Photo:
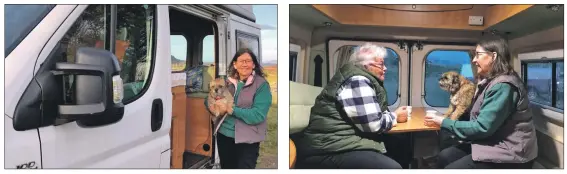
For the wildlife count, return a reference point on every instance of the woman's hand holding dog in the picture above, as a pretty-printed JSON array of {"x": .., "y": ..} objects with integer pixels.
[{"x": 223, "y": 108}]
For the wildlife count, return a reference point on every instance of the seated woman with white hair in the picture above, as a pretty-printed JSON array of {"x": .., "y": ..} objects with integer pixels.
[{"x": 350, "y": 110}]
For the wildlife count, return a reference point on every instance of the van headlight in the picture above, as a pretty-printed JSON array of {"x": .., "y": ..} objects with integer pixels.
[{"x": 117, "y": 89}]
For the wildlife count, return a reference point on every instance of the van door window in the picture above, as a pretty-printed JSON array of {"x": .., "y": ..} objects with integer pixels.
[
  {"x": 22, "y": 20},
  {"x": 134, "y": 49},
  {"x": 245, "y": 40},
  {"x": 89, "y": 30},
  {"x": 133, "y": 43}
]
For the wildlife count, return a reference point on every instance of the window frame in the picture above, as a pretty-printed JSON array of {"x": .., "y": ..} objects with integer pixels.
[
  {"x": 240, "y": 33},
  {"x": 553, "y": 61},
  {"x": 425, "y": 70}
]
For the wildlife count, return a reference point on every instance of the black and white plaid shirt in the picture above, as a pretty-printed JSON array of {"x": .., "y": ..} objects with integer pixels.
[{"x": 362, "y": 106}]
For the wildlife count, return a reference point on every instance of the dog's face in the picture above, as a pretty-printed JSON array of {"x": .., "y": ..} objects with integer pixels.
[
  {"x": 450, "y": 81},
  {"x": 217, "y": 87}
]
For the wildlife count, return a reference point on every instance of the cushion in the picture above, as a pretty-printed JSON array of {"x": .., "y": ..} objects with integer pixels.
[
  {"x": 208, "y": 76},
  {"x": 194, "y": 79},
  {"x": 302, "y": 98}
]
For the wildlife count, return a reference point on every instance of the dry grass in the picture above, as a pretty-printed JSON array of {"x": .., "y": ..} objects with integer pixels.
[
  {"x": 268, "y": 158},
  {"x": 272, "y": 77}
]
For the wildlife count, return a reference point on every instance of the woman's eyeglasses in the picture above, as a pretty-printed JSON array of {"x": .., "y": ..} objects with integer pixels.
[
  {"x": 476, "y": 53},
  {"x": 382, "y": 66},
  {"x": 244, "y": 61}
]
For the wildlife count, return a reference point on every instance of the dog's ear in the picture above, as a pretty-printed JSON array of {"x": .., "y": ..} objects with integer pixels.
[{"x": 456, "y": 79}]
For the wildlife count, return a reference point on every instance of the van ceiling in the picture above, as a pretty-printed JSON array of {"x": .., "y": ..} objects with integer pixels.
[
  {"x": 534, "y": 19},
  {"x": 525, "y": 19},
  {"x": 308, "y": 16}
]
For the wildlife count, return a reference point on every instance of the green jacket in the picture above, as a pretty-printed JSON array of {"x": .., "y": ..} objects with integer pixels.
[
  {"x": 329, "y": 129},
  {"x": 501, "y": 128}
]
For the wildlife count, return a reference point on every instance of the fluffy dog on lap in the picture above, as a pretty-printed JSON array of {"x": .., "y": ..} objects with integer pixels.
[{"x": 461, "y": 93}]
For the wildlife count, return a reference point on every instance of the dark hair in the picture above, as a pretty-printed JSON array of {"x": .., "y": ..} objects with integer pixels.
[
  {"x": 257, "y": 67},
  {"x": 502, "y": 64}
]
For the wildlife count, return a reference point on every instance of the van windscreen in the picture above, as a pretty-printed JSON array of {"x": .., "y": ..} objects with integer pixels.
[{"x": 19, "y": 20}]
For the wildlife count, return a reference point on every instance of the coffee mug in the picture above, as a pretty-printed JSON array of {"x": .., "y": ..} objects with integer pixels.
[
  {"x": 430, "y": 113},
  {"x": 409, "y": 111}
]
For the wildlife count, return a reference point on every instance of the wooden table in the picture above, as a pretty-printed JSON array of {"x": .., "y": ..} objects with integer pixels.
[
  {"x": 292, "y": 153},
  {"x": 415, "y": 124}
]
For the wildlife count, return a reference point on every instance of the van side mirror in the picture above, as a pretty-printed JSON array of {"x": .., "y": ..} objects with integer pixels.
[
  {"x": 96, "y": 92},
  {"x": 97, "y": 74}
]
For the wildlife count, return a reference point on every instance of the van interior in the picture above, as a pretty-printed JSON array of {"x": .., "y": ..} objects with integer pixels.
[
  {"x": 424, "y": 41},
  {"x": 192, "y": 38}
]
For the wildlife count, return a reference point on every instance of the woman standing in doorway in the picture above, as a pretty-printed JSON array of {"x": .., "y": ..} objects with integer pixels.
[{"x": 245, "y": 126}]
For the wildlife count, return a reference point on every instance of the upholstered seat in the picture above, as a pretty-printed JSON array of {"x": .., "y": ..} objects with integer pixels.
[{"x": 302, "y": 98}]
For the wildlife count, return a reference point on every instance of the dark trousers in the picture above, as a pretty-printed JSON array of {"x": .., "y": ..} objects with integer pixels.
[
  {"x": 237, "y": 156},
  {"x": 459, "y": 157},
  {"x": 397, "y": 148},
  {"x": 446, "y": 140},
  {"x": 349, "y": 160}
]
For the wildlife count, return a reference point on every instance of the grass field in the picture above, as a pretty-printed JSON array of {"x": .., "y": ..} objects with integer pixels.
[{"x": 268, "y": 158}]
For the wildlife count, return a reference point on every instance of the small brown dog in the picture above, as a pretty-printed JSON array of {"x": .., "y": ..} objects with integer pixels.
[
  {"x": 219, "y": 95},
  {"x": 461, "y": 93}
]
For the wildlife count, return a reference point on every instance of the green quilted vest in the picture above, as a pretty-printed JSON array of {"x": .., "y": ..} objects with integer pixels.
[{"x": 329, "y": 129}]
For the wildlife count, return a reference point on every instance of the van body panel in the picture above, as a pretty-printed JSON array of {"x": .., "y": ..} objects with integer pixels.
[
  {"x": 129, "y": 143},
  {"x": 22, "y": 148},
  {"x": 246, "y": 27},
  {"x": 19, "y": 64}
]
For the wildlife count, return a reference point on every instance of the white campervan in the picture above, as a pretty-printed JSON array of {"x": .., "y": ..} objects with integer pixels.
[{"x": 99, "y": 86}]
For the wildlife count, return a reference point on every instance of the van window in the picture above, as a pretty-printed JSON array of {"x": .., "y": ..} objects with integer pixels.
[
  {"x": 539, "y": 79},
  {"x": 292, "y": 66},
  {"x": 89, "y": 30},
  {"x": 208, "y": 50},
  {"x": 539, "y": 83},
  {"x": 134, "y": 38},
  {"x": 438, "y": 62},
  {"x": 134, "y": 43},
  {"x": 178, "y": 52},
  {"x": 391, "y": 61},
  {"x": 392, "y": 80},
  {"x": 559, "y": 88},
  {"x": 21, "y": 21},
  {"x": 245, "y": 40}
]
